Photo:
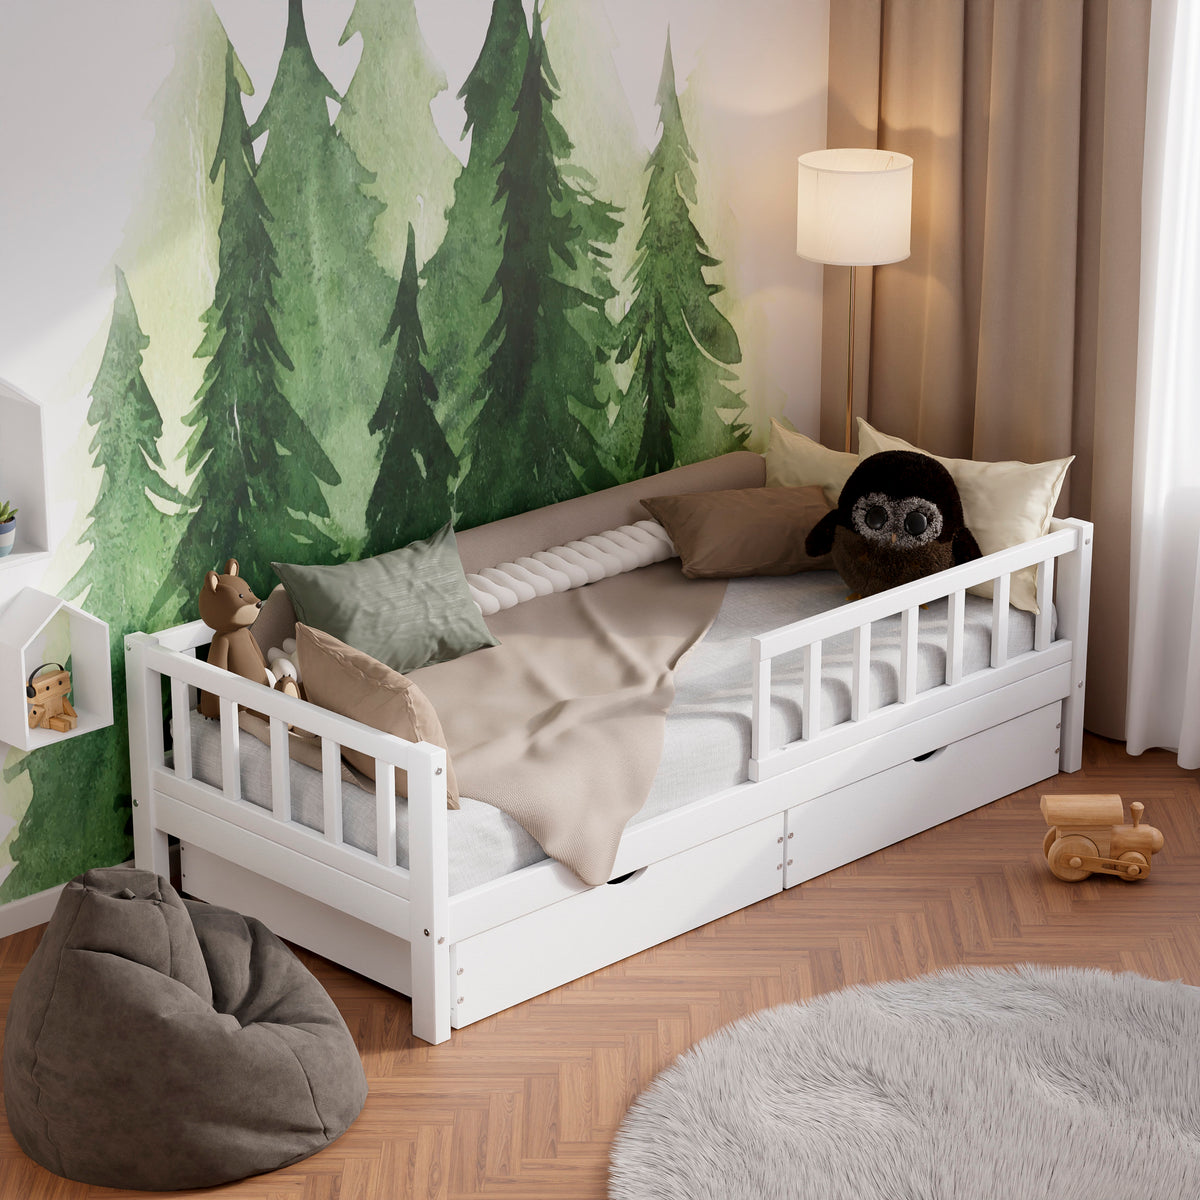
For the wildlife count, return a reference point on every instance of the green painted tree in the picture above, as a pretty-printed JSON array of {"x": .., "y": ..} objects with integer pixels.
[
  {"x": 528, "y": 447},
  {"x": 256, "y": 496},
  {"x": 386, "y": 119},
  {"x": 123, "y": 571},
  {"x": 79, "y": 816},
  {"x": 332, "y": 296},
  {"x": 455, "y": 315},
  {"x": 63, "y": 832},
  {"x": 411, "y": 497},
  {"x": 672, "y": 409}
]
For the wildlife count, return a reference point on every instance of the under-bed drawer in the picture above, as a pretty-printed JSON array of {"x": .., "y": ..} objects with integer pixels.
[
  {"x": 515, "y": 961},
  {"x": 843, "y": 825}
]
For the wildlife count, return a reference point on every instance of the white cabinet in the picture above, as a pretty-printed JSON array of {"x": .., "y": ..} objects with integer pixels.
[
  {"x": 35, "y": 627},
  {"x": 23, "y": 474}
]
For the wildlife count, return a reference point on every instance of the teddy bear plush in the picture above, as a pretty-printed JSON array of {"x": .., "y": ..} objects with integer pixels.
[{"x": 229, "y": 607}]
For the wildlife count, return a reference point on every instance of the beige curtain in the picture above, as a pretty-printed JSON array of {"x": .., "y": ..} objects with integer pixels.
[{"x": 1011, "y": 331}]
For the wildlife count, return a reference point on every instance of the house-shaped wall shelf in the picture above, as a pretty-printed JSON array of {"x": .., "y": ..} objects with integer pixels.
[
  {"x": 23, "y": 474},
  {"x": 29, "y": 637}
]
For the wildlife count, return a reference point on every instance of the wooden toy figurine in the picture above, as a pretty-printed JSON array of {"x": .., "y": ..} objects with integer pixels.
[
  {"x": 1089, "y": 833},
  {"x": 46, "y": 696}
]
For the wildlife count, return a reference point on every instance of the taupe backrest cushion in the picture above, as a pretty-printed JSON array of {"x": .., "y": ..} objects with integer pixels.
[{"x": 158, "y": 1043}]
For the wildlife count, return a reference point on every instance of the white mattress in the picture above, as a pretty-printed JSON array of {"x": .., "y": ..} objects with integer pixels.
[{"x": 707, "y": 741}]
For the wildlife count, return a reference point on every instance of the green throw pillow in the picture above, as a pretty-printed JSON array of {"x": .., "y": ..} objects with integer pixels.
[{"x": 408, "y": 608}]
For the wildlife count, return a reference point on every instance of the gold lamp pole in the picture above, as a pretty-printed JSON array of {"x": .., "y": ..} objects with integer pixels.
[{"x": 853, "y": 209}]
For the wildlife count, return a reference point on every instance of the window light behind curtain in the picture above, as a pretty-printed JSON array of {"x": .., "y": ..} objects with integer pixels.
[{"x": 1164, "y": 685}]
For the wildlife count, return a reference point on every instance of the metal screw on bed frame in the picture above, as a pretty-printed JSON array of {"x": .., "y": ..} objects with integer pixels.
[
  {"x": 779, "y": 841},
  {"x": 441, "y": 941},
  {"x": 1059, "y": 725},
  {"x": 792, "y": 860},
  {"x": 461, "y": 970},
  {"x": 791, "y": 835},
  {"x": 135, "y": 804},
  {"x": 779, "y": 866},
  {"x": 438, "y": 771},
  {"x": 460, "y": 999},
  {"x": 426, "y": 932}
]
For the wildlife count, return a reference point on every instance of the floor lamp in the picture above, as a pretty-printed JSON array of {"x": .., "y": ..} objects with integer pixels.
[{"x": 854, "y": 209}]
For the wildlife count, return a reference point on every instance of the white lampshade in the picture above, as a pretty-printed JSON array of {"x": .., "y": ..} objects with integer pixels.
[{"x": 854, "y": 207}]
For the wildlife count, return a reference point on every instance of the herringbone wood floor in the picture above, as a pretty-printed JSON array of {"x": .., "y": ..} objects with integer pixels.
[{"x": 524, "y": 1105}]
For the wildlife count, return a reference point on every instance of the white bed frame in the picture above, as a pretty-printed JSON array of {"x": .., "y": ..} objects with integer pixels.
[{"x": 807, "y": 807}]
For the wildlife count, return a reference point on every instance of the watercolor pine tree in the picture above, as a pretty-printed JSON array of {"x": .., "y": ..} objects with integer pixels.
[
  {"x": 332, "y": 296},
  {"x": 455, "y": 315},
  {"x": 679, "y": 341},
  {"x": 124, "y": 571},
  {"x": 528, "y": 447},
  {"x": 386, "y": 119},
  {"x": 411, "y": 498},
  {"x": 62, "y": 831},
  {"x": 581, "y": 42},
  {"x": 258, "y": 488}
]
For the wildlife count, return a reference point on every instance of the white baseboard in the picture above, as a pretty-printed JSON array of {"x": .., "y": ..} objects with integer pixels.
[
  {"x": 21, "y": 914},
  {"x": 18, "y": 915}
]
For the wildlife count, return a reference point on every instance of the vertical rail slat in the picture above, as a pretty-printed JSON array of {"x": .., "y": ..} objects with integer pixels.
[
  {"x": 1000, "y": 611},
  {"x": 1045, "y": 591},
  {"x": 908, "y": 654},
  {"x": 331, "y": 787},
  {"x": 1074, "y": 593},
  {"x": 760, "y": 724},
  {"x": 281, "y": 771},
  {"x": 860, "y": 685},
  {"x": 956, "y": 612},
  {"x": 385, "y": 813},
  {"x": 231, "y": 750},
  {"x": 146, "y": 752},
  {"x": 812, "y": 691},
  {"x": 429, "y": 899},
  {"x": 181, "y": 728}
]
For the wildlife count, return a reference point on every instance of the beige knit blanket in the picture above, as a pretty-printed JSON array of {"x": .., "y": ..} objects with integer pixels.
[{"x": 561, "y": 725}]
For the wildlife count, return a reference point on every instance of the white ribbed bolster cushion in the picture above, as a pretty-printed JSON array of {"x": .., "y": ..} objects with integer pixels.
[
  {"x": 575, "y": 574},
  {"x": 597, "y": 556}
]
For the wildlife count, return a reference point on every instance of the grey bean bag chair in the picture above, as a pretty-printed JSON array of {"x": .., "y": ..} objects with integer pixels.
[{"x": 158, "y": 1043}]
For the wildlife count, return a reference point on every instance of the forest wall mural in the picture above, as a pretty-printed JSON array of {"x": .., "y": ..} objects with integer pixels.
[{"x": 503, "y": 257}]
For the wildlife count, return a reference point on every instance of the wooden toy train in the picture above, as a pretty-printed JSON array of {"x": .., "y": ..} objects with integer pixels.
[{"x": 1088, "y": 833}]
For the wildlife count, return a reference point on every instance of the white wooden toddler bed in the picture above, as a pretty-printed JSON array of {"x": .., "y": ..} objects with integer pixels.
[{"x": 792, "y": 747}]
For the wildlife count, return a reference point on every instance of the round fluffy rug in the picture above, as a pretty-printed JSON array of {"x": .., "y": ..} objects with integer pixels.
[{"x": 1019, "y": 1083}]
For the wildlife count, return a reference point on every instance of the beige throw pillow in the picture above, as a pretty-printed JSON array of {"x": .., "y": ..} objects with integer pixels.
[
  {"x": 744, "y": 531},
  {"x": 354, "y": 684},
  {"x": 1004, "y": 503},
  {"x": 794, "y": 460}
]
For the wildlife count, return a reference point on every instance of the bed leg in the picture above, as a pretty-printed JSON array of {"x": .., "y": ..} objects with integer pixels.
[
  {"x": 1073, "y": 599},
  {"x": 145, "y": 747},
  {"x": 429, "y": 898}
]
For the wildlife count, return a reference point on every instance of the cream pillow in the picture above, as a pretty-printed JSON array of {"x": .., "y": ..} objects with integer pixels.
[
  {"x": 1004, "y": 503},
  {"x": 794, "y": 460}
]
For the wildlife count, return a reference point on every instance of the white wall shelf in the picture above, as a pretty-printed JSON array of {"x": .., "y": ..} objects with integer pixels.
[
  {"x": 23, "y": 474},
  {"x": 25, "y": 644}
]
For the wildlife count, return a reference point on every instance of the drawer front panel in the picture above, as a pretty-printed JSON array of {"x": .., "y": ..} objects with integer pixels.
[
  {"x": 843, "y": 825},
  {"x": 503, "y": 966}
]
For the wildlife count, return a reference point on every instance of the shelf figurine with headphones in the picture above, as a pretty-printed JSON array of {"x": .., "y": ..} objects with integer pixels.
[{"x": 46, "y": 695}]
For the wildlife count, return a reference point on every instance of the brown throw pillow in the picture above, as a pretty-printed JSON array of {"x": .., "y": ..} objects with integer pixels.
[
  {"x": 355, "y": 685},
  {"x": 747, "y": 531}
]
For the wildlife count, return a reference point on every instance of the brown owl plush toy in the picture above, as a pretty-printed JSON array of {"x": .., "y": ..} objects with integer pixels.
[{"x": 899, "y": 518}]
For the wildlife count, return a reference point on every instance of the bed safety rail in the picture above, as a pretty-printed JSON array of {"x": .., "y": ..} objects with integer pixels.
[
  {"x": 1063, "y": 562},
  {"x": 169, "y": 800}
]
